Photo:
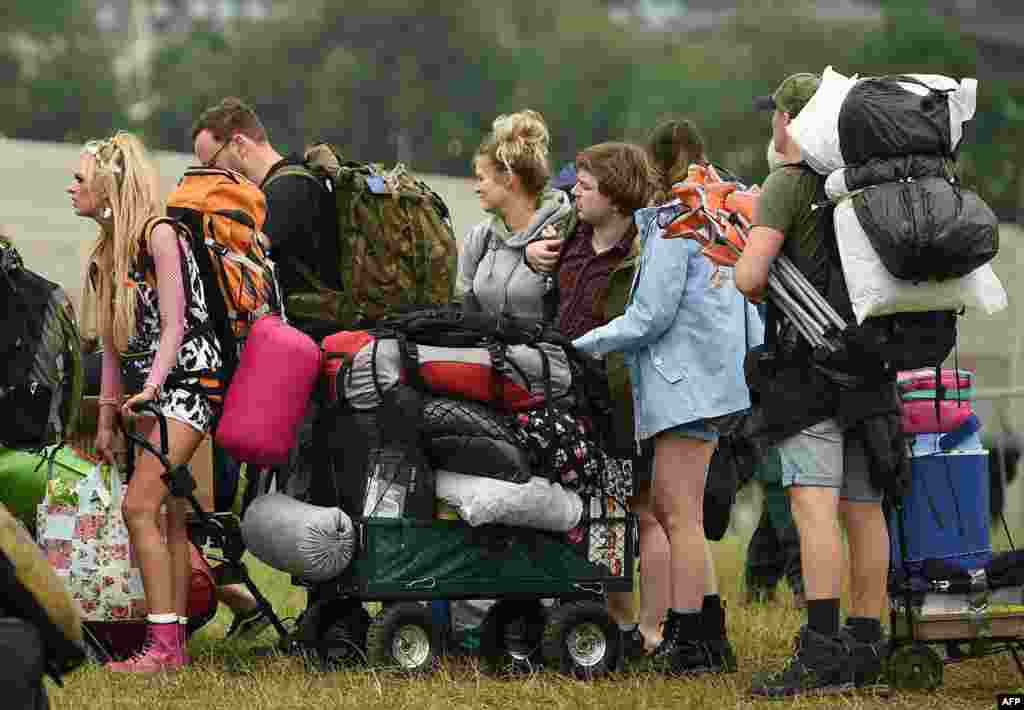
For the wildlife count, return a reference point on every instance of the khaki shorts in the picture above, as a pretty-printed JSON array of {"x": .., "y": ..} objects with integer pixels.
[{"x": 822, "y": 456}]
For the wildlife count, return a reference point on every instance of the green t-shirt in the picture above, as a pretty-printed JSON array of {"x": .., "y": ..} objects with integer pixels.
[{"x": 786, "y": 205}]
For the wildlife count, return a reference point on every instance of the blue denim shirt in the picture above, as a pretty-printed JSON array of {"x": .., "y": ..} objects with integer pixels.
[{"x": 684, "y": 334}]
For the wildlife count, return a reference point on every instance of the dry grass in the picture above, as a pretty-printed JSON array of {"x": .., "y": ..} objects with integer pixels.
[{"x": 227, "y": 676}]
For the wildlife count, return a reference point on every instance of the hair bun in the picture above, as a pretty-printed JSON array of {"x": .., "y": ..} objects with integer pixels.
[
  {"x": 526, "y": 125},
  {"x": 521, "y": 135}
]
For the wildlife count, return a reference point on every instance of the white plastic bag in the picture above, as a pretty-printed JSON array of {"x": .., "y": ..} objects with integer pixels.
[
  {"x": 816, "y": 127},
  {"x": 876, "y": 292},
  {"x": 537, "y": 504}
]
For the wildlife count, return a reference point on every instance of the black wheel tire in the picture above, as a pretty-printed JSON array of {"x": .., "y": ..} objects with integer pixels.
[
  {"x": 915, "y": 667},
  {"x": 341, "y": 640},
  {"x": 403, "y": 637},
  {"x": 511, "y": 637},
  {"x": 581, "y": 640}
]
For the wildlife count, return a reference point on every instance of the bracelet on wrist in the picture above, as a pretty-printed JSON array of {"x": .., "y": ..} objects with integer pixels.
[{"x": 109, "y": 402}]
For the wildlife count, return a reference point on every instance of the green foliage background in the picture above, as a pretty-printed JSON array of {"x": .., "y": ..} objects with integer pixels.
[{"x": 421, "y": 81}]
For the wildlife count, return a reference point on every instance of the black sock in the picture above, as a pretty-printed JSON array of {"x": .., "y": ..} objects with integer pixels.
[
  {"x": 712, "y": 613},
  {"x": 864, "y": 629},
  {"x": 823, "y": 616}
]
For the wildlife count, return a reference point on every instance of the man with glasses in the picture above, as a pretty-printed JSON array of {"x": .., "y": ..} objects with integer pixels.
[
  {"x": 302, "y": 228},
  {"x": 301, "y": 218}
]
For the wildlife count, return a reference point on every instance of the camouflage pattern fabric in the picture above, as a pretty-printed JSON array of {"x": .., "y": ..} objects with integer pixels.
[{"x": 396, "y": 245}]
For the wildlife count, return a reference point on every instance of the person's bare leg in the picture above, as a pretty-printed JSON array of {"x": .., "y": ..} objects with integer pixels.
[
  {"x": 655, "y": 577},
  {"x": 868, "y": 539},
  {"x": 815, "y": 511},
  {"x": 654, "y": 582},
  {"x": 680, "y": 467},
  {"x": 165, "y": 567}
]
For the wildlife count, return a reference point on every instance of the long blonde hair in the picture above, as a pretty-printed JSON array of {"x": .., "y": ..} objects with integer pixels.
[{"x": 123, "y": 174}]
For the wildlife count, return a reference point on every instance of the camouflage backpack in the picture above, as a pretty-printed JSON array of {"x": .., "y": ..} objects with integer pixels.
[
  {"x": 41, "y": 375},
  {"x": 396, "y": 246}
]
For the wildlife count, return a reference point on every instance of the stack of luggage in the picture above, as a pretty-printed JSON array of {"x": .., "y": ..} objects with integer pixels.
[
  {"x": 944, "y": 556},
  {"x": 911, "y": 238},
  {"x": 440, "y": 414}
]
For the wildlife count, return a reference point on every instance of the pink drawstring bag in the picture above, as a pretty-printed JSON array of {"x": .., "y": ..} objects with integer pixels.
[{"x": 269, "y": 394}]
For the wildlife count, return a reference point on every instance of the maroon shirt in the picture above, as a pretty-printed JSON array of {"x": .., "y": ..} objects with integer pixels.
[{"x": 583, "y": 278}]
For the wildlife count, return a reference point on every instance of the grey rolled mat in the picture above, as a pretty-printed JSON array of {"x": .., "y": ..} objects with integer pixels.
[{"x": 307, "y": 541}]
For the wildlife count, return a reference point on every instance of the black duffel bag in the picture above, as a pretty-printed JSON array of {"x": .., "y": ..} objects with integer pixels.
[{"x": 880, "y": 118}]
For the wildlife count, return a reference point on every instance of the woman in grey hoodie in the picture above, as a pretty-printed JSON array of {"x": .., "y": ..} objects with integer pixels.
[{"x": 512, "y": 175}]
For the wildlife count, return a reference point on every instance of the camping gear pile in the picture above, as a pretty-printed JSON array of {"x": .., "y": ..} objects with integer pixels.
[
  {"x": 946, "y": 585},
  {"x": 439, "y": 410},
  {"x": 500, "y": 407},
  {"x": 913, "y": 244},
  {"x": 911, "y": 239}
]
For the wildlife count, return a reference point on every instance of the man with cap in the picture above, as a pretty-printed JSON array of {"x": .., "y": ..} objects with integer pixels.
[{"x": 824, "y": 467}]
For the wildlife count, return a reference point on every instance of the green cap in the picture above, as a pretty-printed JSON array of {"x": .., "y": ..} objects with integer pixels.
[{"x": 792, "y": 95}]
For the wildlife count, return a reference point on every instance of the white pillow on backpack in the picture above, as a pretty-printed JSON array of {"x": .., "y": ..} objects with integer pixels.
[
  {"x": 816, "y": 128},
  {"x": 875, "y": 292}
]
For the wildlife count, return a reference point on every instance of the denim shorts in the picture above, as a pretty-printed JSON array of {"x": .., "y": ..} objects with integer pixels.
[
  {"x": 822, "y": 456},
  {"x": 697, "y": 429}
]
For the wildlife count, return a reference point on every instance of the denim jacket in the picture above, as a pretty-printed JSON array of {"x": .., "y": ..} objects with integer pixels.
[{"x": 684, "y": 334}]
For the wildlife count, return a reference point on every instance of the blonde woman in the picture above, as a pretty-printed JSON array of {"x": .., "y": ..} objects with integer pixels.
[
  {"x": 512, "y": 174},
  {"x": 150, "y": 309}
]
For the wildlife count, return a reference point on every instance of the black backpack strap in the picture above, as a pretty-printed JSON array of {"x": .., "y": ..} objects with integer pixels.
[
  {"x": 496, "y": 350},
  {"x": 409, "y": 357}
]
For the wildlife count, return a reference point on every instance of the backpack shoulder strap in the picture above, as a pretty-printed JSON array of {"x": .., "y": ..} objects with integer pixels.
[
  {"x": 74, "y": 370},
  {"x": 296, "y": 170}
]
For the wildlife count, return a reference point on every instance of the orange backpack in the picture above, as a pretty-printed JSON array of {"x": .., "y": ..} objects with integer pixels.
[
  {"x": 715, "y": 212},
  {"x": 224, "y": 212}
]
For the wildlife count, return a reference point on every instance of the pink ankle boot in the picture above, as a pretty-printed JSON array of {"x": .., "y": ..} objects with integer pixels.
[{"x": 162, "y": 651}]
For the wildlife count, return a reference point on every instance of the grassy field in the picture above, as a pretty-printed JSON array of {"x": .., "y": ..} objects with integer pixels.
[{"x": 225, "y": 675}]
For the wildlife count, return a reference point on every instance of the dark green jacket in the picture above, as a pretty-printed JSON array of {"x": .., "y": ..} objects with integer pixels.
[{"x": 619, "y": 285}]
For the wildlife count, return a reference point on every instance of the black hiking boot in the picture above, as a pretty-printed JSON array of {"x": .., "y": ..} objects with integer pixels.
[
  {"x": 687, "y": 657},
  {"x": 658, "y": 661},
  {"x": 867, "y": 662},
  {"x": 723, "y": 658},
  {"x": 695, "y": 657},
  {"x": 631, "y": 648},
  {"x": 819, "y": 666}
]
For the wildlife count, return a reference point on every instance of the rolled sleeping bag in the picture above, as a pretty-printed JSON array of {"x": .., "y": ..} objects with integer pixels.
[
  {"x": 266, "y": 402},
  {"x": 306, "y": 541},
  {"x": 537, "y": 504}
]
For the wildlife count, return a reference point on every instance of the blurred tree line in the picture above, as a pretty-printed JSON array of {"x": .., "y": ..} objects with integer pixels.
[{"x": 420, "y": 81}]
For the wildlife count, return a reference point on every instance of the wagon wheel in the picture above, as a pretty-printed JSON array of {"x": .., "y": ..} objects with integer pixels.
[
  {"x": 915, "y": 667},
  {"x": 511, "y": 637},
  {"x": 581, "y": 640},
  {"x": 403, "y": 637}
]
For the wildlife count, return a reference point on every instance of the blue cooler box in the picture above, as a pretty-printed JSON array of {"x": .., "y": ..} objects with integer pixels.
[{"x": 946, "y": 512}]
